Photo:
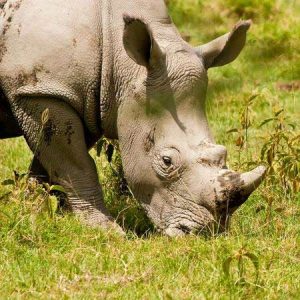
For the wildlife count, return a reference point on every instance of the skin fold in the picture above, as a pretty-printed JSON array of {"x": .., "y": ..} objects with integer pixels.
[{"x": 119, "y": 69}]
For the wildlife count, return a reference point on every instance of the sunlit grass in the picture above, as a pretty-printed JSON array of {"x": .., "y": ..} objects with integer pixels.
[{"x": 56, "y": 257}]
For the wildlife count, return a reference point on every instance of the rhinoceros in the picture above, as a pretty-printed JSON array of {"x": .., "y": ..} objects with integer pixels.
[{"x": 119, "y": 69}]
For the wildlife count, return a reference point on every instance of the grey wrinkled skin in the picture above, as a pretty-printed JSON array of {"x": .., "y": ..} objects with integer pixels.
[{"x": 119, "y": 69}]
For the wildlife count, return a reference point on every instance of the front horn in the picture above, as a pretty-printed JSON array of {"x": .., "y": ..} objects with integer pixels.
[
  {"x": 236, "y": 188},
  {"x": 251, "y": 180}
]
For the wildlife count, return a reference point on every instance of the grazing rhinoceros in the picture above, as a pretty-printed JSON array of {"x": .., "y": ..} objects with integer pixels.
[{"x": 119, "y": 69}]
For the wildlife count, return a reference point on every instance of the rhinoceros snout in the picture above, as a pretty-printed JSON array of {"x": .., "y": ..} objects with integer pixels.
[{"x": 212, "y": 211}]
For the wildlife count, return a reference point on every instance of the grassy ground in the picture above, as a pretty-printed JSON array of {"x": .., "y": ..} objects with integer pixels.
[{"x": 52, "y": 256}]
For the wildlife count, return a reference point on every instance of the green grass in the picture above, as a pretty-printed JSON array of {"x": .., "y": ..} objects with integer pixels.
[{"x": 44, "y": 257}]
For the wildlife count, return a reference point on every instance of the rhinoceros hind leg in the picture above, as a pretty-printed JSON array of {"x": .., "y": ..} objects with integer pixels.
[{"x": 58, "y": 141}]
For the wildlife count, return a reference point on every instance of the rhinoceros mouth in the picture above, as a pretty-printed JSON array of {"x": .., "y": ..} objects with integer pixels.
[
  {"x": 192, "y": 224},
  {"x": 191, "y": 229}
]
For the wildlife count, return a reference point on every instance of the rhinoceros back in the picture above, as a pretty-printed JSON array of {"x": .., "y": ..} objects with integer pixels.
[
  {"x": 55, "y": 48},
  {"x": 52, "y": 48}
]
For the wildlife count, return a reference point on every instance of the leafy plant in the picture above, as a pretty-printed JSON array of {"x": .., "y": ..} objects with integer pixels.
[
  {"x": 245, "y": 123},
  {"x": 281, "y": 151},
  {"x": 251, "y": 8},
  {"x": 241, "y": 257},
  {"x": 24, "y": 188}
]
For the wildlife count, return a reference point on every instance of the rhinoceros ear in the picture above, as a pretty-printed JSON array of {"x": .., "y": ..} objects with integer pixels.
[
  {"x": 226, "y": 48},
  {"x": 139, "y": 42}
]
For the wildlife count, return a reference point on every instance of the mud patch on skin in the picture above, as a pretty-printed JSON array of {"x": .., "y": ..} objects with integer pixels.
[
  {"x": 149, "y": 140},
  {"x": 230, "y": 179},
  {"x": 205, "y": 162},
  {"x": 69, "y": 131},
  {"x": 3, "y": 48},
  {"x": 2, "y": 3},
  {"x": 30, "y": 78},
  {"x": 49, "y": 131},
  {"x": 7, "y": 14},
  {"x": 231, "y": 195},
  {"x": 19, "y": 29},
  {"x": 230, "y": 200}
]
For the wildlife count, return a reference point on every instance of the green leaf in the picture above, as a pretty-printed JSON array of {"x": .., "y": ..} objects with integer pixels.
[
  {"x": 270, "y": 155},
  {"x": 39, "y": 191},
  {"x": 266, "y": 121},
  {"x": 5, "y": 195},
  {"x": 45, "y": 116},
  {"x": 250, "y": 100},
  {"x": 47, "y": 186},
  {"x": 52, "y": 205},
  {"x": 16, "y": 175},
  {"x": 241, "y": 267},
  {"x": 23, "y": 175},
  {"x": 226, "y": 265},
  {"x": 255, "y": 261},
  {"x": 232, "y": 130},
  {"x": 277, "y": 113},
  {"x": 57, "y": 188},
  {"x": 264, "y": 150},
  {"x": 8, "y": 182}
]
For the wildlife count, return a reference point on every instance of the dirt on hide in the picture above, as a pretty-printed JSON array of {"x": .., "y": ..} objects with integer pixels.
[
  {"x": 7, "y": 11},
  {"x": 32, "y": 77},
  {"x": 2, "y": 3}
]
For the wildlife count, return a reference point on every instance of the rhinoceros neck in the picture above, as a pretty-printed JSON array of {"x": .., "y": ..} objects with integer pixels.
[{"x": 119, "y": 72}]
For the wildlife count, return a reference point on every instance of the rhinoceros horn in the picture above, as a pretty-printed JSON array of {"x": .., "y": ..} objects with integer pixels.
[
  {"x": 251, "y": 180},
  {"x": 236, "y": 188}
]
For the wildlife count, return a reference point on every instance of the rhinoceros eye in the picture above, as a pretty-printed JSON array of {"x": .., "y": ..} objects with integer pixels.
[
  {"x": 166, "y": 163},
  {"x": 167, "y": 160}
]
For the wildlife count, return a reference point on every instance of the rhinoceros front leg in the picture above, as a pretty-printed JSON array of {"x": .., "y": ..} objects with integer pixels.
[
  {"x": 58, "y": 143},
  {"x": 37, "y": 171}
]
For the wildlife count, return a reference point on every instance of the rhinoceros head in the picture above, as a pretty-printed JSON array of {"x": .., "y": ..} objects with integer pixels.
[{"x": 171, "y": 162}]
